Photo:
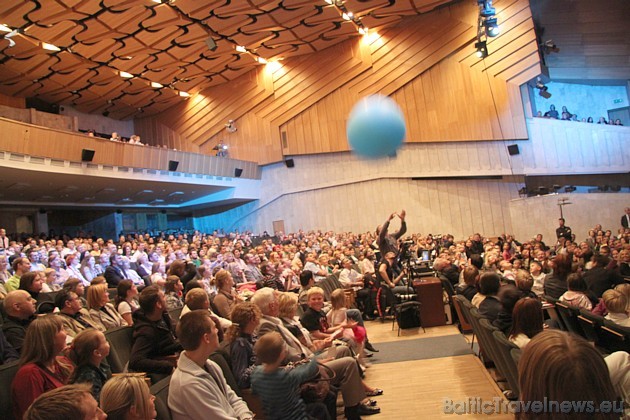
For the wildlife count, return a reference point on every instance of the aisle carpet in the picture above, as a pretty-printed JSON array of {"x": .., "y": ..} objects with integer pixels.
[{"x": 421, "y": 348}]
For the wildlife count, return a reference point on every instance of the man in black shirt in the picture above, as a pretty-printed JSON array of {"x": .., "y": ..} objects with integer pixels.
[{"x": 563, "y": 231}]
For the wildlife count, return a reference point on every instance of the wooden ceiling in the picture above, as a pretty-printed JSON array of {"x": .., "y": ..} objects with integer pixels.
[
  {"x": 593, "y": 37},
  {"x": 167, "y": 43}
]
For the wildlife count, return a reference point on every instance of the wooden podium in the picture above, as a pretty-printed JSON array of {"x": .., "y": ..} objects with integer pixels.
[{"x": 429, "y": 291}]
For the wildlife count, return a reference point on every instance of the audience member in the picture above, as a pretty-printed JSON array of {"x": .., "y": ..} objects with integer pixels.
[
  {"x": 576, "y": 295},
  {"x": 20, "y": 309},
  {"x": 127, "y": 397},
  {"x": 74, "y": 317},
  {"x": 198, "y": 389},
  {"x": 20, "y": 266},
  {"x": 88, "y": 352},
  {"x": 557, "y": 366},
  {"x": 279, "y": 389},
  {"x": 598, "y": 278},
  {"x": 126, "y": 300},
  {"x": 154, "y": 344},
  {"x": 616, "y": 305},
  {"x": 7, "y": 352},
  {"x": 556, "y": 282},
  {"x": 489, "y": 284},
  {"x": 40, "y": 368},
  {"x": 173, "y": 292},
  {"x": 527, "y": 321},
  {"x": 226, "y": 298},
  {"x": 69, "y": 402},
  {"x": 101, "y": 311}
]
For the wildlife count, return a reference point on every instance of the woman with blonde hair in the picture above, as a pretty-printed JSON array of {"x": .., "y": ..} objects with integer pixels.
[
  {"x": 226, "y": 298},
  {"x": 40, "y": 367},
  {"x": 557, "y": 366},
  {"x": 127, "y": 397},
  {"x": 245, "y": 318},
  {"x": 101, "y": 311}
]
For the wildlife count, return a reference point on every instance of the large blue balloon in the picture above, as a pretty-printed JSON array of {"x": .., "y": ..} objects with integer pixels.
[{"x": 376, "y": 127}]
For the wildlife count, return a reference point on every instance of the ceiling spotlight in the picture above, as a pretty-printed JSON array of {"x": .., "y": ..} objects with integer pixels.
[
  {"x": 542, "y": 89},
  {"x": 487, "y": 10},
  {"x": 347, "y": 15},
  {"x": 230, "y": 127},
  {"x": 184, "y": 94},
  {"x": 549, "y": 47},
  {"x": 363, "y": 30},
  {"x": 125, "y": 75},
  {"x": 482, "y": 49},
  {"x": 156, "y": 85},
  {"x": 543, "y": 190},
  {"x": 261, "y": 60},
  {"x": 522, "y": 191},
  {"x": 5, "y": 28},
  {"x": 492, "y": 27},
  {"x": 569, "y": 188},
  {"x": 556, "y": 187},
  {"x": 240, "y": 48}
]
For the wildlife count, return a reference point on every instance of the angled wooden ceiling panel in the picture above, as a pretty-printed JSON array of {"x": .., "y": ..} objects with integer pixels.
[{"x": 166, "y": 43}]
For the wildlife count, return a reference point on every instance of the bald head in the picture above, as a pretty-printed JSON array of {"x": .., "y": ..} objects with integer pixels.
[{"x": 19, "y": 304}]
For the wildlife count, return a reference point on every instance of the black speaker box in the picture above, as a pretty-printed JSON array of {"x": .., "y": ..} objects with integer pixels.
[
  {"x": 513, "y": 149},
  {"x": 289, "y": 162},
  {"x": 87, "y": 155},
  {"x": 238, "y": 172},
  {"x": 172, "y": 165}
]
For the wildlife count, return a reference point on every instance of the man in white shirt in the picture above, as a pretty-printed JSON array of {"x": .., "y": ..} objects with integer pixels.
[{"x": 198, "y": 389}]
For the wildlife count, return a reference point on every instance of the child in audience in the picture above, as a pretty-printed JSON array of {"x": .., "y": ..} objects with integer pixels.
[
  {"x": 279, "y": 389},
  {"x": 616, "y": 304},
  {"x": 126, "y": 303},
  {"x": 576, "y": 295},
  {"x": 535, "y": 269},
  {"x": 527, "y": 321},
  {"x": 337, "y": 316},
  {"x": 128, "y": 397},
  {"x": 88, "y": 350}
]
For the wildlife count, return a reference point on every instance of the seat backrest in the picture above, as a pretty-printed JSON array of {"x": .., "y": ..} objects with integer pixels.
[
  {"x": 120, "y": 340},
  {"x": 614, "y": 337},
  {"x": 511, "y": 368},
  {"x": 569, "y": 316},
  {"x": 463, "y": 319},
  {"x": 160, "y": 390},
  {"x": 218, "y": 358},
  {"x": 7, "y": 373},
  {"x": 329, "y": 285},
  {"x": 486, "y": 350},
  {"x": 553, "y": 313}
]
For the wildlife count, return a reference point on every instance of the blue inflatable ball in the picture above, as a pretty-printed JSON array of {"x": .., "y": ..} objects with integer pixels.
[{"x": 376, "y": 127}]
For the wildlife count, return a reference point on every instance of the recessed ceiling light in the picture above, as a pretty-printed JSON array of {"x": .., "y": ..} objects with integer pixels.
[
  {"x": 125, "y": 75},
  {"x": 184, "y": 94},
  {"x": 50, "y": 47},
  {"x": 5, "y": 28},
  {"x": 156, "y": 85},
  {"x": 241, "y": 48}
]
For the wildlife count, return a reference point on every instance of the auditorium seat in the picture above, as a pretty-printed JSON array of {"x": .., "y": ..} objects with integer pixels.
[
  {"x": 614, "y": 337},
  {"x": 160, "y": 390},
  {"x": 464, "y": 324},
  {"x": 569, "y": 315},
  {"x": 505, "y": 347},
  {"x": 590, "y": 325},
  {"x": 7, "y": 373},
  {"x": 120, "y": 340},
  {"x": 329, "y": 285},
  {"x": 174, "y": 314}
]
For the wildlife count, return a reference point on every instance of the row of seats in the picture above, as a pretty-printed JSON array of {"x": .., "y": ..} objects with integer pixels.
[
  {"x": 494, "y": 348},
  {"x": 607, "y": 336}
]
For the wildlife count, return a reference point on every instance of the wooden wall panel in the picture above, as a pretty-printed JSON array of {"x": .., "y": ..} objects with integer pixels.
[
  {"x": 12, "y": 101},
  {"x": 28, "y": 139},
  {"x": 427, "y": 64}
]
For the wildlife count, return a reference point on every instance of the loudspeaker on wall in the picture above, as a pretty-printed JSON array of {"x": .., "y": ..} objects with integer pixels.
[
  {"x": 238, "y": 172},
  {"x": 513, "y": 149},
  {"x": 87, "y": 155},
  {"x": 172, "y": 165},
  {"x": 289, "y": 162}
]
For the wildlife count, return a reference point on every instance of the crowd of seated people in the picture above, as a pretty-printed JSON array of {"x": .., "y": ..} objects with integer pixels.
[
  {"x": 254, "y": 282},
  {"x": 568, "y": 116}
]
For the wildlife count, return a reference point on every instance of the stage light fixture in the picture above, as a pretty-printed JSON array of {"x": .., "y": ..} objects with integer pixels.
[
  {"x": 482, "y": 49},
  {"x": 492, "y": 27},
  {"x": 543, "y": 190},
  {"x": 522, "y": 191},
  {"x": 542, "y": 89},
  {"x": 549, "y": 47},
  {"x": 569, "y": 188}
]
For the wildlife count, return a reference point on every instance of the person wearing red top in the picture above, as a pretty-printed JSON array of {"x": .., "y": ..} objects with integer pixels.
[{"x": 41, "y": 369}]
